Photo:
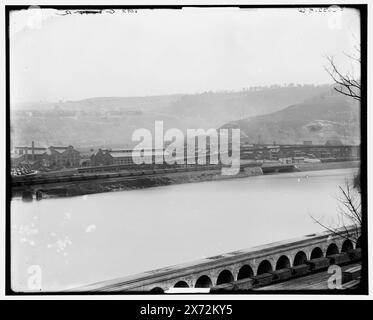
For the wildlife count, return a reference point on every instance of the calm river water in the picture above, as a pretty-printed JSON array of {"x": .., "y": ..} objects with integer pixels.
[{"x": 80, "y": 240}]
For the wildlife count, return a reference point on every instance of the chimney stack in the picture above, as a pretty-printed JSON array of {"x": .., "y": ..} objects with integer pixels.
[{"x": 33, "y": 151}]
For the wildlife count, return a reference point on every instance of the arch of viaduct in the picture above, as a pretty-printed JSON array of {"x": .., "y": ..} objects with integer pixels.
[{"x": 235, "y": 265}]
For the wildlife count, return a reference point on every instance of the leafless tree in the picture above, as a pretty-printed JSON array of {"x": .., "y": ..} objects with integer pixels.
[
  {"x": 346, "y": 84},
  {"x": 350, "y": 213}
]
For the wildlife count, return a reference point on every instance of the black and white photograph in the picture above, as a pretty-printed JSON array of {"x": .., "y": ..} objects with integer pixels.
[{"x": 178, "y": 149}]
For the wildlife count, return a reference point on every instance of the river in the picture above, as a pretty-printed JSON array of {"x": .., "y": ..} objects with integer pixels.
[{"x": 85, "y": 239}]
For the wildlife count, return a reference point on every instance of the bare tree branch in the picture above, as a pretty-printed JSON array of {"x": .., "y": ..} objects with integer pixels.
[
  {"x": 347, "y": 85},
  {"x": 350, "y": 201}
]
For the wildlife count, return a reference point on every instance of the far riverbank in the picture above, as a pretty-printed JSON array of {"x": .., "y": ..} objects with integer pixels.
[
  {"x": 142, "y": 181},
  {"x": 327, "y": 165}
]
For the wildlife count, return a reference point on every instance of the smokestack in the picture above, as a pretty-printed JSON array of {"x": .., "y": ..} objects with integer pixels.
[{"x": 33, "y": 151}]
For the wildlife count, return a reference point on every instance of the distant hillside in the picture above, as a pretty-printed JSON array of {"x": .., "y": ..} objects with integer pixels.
[
  {"x": 110, "y": 121},
  {"x": 327, "y": 116},
  {"x": 211, "y": 110},
  {"x": 103, "y": 103}
]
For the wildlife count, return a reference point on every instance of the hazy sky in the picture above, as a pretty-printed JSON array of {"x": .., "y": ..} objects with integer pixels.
[{"x": 172, "y": 51}]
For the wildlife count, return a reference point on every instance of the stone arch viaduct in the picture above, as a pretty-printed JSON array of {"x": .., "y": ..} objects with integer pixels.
[{"x": 235, "y": 265}]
